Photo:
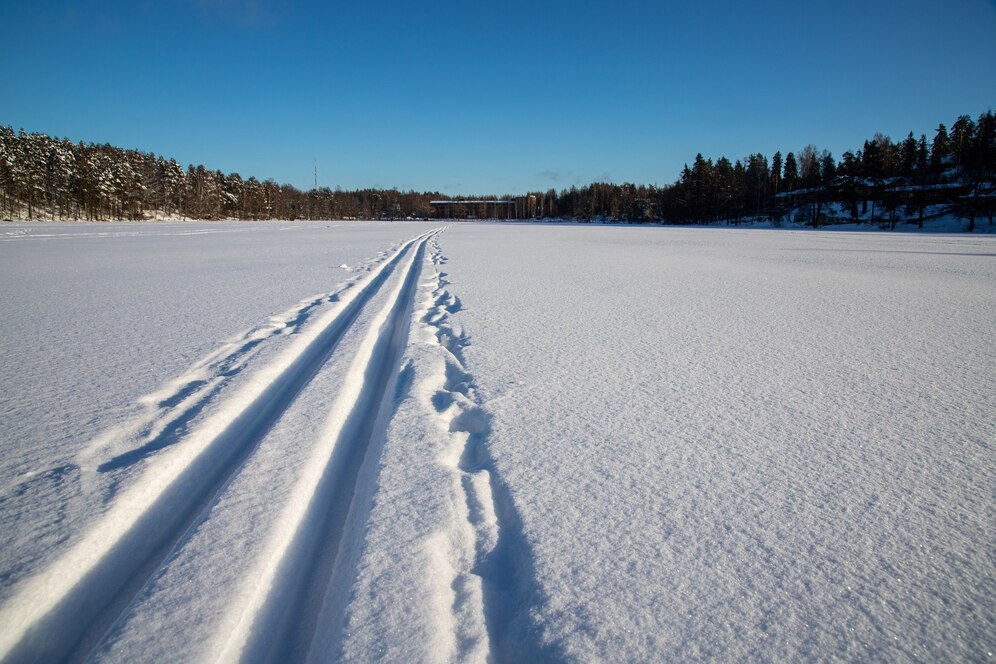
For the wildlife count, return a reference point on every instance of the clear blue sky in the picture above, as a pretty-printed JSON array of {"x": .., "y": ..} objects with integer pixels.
[{"x": 474, "y": 97}]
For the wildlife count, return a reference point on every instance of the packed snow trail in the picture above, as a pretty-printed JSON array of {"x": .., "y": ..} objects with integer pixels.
[{"x": 61, "y": 612}]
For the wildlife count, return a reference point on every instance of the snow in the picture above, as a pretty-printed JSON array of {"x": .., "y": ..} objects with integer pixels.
[
  {"x": 937, "y": 219},
  {"x": 97, "y": 316},
  {"x": 349, "y": 441}
]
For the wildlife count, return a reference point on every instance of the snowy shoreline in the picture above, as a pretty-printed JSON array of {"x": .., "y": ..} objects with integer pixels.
[{"x": 948, "y": 224}]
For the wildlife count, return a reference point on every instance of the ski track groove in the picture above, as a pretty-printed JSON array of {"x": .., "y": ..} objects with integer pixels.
[
  {"x": 60, "y": 613},
  {"x": 320, "y": 530},
  {"x": 166, "y": 412}
]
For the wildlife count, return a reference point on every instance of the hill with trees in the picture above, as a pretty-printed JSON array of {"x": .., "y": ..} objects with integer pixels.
[{"x": 884, "y": 182}]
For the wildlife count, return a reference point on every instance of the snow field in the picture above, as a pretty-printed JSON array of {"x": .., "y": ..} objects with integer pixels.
[
  {"x": 741, "y": 446},
  {"x": 94, "y": 316},
  {"x": 272, "y": 512},
  {"x": 82, "y": 591},
  {"x": 500, "y": 443}
]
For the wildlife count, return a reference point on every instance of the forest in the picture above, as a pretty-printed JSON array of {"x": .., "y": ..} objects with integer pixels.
[{"x": 883, "y": 182}]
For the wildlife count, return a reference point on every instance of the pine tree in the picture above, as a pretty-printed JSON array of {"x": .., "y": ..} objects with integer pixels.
[
  {"x": 984, "y": 159},
  {"x": 940, "y": 149},
  {"x": 984, "y": 144},
  {"x": 922, "y": 165},
  {"x": 740, "y": 180},
  {"x": 757, "y": 175},
  {"x": 922, "y": 155},
  {"x": 791, "y": 173},
  {"x": 975, "y": 151},
  {"x": 850, "y": 169},
  {"x": 776, "y": 173},
  {"x": 828, "y": 167},
  {"x": 907, "y": 155},
  {"x": 8, "y": 196},
  {"x": 872, "y": 163},
  {"x": 848, "y": 164},
  {"x": 962, "y": 138}
]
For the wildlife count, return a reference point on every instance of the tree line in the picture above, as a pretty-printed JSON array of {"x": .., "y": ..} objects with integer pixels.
[
  {"x": 50, "y": 178},
  {"x": 883, "y": 182}
]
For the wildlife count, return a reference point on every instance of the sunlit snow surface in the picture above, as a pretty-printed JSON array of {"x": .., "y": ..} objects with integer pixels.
[{"x": 593, "y": 443}]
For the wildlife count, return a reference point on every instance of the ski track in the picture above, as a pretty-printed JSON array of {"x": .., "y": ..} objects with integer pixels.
[
  {"x": 298, "y": 587},
  {"x": 162, "y": 417},
  {"x": 487, "y": 558},
  {"x": 165, "y": 413},
  {"x": 61, "y": 612},
  {"x": 279, "y": 607}
]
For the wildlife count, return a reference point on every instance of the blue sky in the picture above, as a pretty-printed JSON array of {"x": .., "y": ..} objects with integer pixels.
[{"x": 482, "y": 97}]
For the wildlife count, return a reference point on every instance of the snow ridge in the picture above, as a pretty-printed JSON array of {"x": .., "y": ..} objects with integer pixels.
[
  {"x": 62, "y": 611},
  {"x": 491, "y": 580}
]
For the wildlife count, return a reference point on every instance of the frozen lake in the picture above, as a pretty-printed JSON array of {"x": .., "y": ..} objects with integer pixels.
[{"x": 349, "y": 441}]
